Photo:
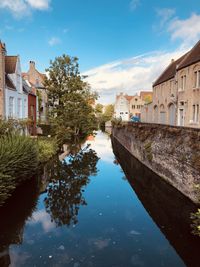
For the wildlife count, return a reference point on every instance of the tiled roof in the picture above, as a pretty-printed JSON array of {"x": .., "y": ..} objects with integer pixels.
[
  {"x": 10, "y": 64},
  {"x": 9, "y": 83},
  {"x": 169, "y": 72},
  {"x": 192, "y": 57},
  {"x": 144, "y": 94}
]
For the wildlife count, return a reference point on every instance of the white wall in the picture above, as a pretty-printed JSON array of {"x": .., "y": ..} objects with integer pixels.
[
  {"x": 19, "y": 112},
  {"x": 122, "y": 108}
]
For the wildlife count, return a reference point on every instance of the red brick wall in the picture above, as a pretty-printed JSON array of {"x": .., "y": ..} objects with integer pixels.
[{"x": 32, "y": 113}]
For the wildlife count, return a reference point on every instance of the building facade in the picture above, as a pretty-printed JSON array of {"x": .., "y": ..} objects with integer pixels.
[
  {"x": 128, "y": 106},
  {"x": 176, "y": 93},
  {"x": 13, "y": 99},
  {"x": 36, "y": 80}
]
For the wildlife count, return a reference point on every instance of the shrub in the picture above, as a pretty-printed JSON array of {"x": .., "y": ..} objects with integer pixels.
[
  {"x": 18, "y": 162},
  {"x": 47, "y": 148}
]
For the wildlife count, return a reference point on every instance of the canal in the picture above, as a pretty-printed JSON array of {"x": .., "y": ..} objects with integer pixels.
[{"x": 100, "y": 209}]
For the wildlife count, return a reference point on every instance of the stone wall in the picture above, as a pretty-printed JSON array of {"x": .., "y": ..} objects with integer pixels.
[{"x": 171, "y": 152}]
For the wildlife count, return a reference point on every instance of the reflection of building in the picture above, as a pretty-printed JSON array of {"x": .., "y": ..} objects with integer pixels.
[
  {"x": 127, "y": 106},
  {"x": 36, "y": 80},
  {"x": 176, "y": 93}
]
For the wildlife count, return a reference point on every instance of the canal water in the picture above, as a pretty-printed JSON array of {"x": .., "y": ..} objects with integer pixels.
[{"x": 89, "y": 212}]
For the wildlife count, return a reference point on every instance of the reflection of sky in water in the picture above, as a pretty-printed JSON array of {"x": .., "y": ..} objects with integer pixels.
[{"x": 113, "y": 228}]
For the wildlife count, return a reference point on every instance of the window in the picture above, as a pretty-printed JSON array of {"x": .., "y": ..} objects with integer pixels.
[
  {"x": 11, "y": 107},
  {"x": 197, "y": 117},
  {"x": 171, "y": 87},
  {"x": 183, "y": 83},
  {"x": 32, "y": 112},
  {"x": 25, "y": 108},
  {"x": 195, "y": 113},
  {"x": 19, "y": 108},
  {"x": 197, "y": 79}
]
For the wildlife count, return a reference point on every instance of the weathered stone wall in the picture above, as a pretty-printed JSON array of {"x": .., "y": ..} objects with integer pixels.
[{"x": 171, "y": 152}]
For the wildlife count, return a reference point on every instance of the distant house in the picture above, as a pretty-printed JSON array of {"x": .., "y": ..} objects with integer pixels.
[
  {"x": 121, "y": 107},
  {"x": 13, "y": 98},
  {"x": 32, "y": 107},
  {"x": 176, "y": 93},
  {"x": 128, "y": 106},
  {"x": 36, "y": 80}
]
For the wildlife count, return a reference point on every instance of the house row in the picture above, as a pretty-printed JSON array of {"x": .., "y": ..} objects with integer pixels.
[
  {"x": 127, "y": 106},
  {"x": 176, "y": 93},
  {"x": 22, "y": 95}
]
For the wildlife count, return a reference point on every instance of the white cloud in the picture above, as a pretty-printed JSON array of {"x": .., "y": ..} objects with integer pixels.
[
  {"x": 187, "y": 30},
  {"x": 165, "y": 14},
  {"x": 130, "y": 75},
  {"x": 134, "y": 4},
  {"x": 54, "y": 41},
  {"x": 39, "y": 4},
  {"x": 138, "y": 73},
  {"x": 20, "y": 8}
]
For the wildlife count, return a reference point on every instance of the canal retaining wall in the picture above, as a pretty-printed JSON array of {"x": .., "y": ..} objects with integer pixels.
[{"x": 171, "y": 152}]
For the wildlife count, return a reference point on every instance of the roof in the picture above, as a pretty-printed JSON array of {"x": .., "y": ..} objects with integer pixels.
[
  {"x": 27, "y": 88},
  {"x": 169, "y": 72},
  {"x": 192, "y": 57},
  {"x": 9, "y": 83},
  {"x": 10, "y": 64}
]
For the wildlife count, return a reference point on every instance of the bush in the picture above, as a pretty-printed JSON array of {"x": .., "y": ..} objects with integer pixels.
[
  {"x": 47, "y": 148},
  {"x": 18, "y": 162}
]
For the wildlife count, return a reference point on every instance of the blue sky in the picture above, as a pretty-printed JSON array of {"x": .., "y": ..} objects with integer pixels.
[{"x": 106, "y": 35}]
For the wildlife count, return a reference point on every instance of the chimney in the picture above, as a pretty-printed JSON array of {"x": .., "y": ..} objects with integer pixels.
[
  {"x": 172, "y": 60},
  {"x": 32, "y": 65}
]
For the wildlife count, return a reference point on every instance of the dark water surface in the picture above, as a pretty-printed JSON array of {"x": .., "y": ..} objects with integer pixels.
[{"x": 86, "y": 213}]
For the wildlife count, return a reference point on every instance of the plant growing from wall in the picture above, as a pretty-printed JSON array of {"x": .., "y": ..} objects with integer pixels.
[{"x": 195, "y": 217}]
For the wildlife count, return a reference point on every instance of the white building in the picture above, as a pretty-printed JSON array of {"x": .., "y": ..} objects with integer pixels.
[
  {"x": 16, "y": 99},
  {"x": 127, "y": 106},
  {"x": 121, "y": 108}
]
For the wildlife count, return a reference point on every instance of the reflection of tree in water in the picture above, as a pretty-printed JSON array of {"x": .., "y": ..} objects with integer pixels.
[{"x": 67, "y": 180}]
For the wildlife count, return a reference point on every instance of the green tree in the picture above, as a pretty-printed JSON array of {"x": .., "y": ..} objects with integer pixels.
[
  {"x": 69, "y": 96},
  {"x": 98, "y": 109},
  {"x": 106, "y": 116}
]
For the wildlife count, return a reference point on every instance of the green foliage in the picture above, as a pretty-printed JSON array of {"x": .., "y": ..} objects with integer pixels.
[
  {"x": 117, "y": 122},
  {"x": 196, "y": 223},
  {"x": 46, "y": 129},
  {"x": 98, "y": 109},
  {"x": 148, "y": 151},
  {"x": 69, "y": 98},
  {"x": 47, "y": 148},
  {"x": 18, "y": 162},
  {"x": 13, "y": 126},
  {"x": 106, "y": 116}
]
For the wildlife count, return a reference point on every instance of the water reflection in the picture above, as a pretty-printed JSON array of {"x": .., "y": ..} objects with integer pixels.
[
  {"x": 14, "y": 214},
  {"x": 67, "y": 180},
  {"x": 167, "y": 207}
]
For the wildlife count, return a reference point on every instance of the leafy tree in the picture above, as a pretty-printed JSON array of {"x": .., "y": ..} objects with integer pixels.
[
  {"x": 107, "y": 115},
  {"x": 69, "y": 96},
  {"x": 99, "y": 109}
]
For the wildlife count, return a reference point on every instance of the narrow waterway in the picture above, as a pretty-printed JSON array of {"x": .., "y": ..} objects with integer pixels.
[{"x": 88, "y": 212}]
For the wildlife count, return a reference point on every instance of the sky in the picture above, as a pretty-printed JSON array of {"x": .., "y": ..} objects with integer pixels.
[{"x": 122, "y": 45}]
